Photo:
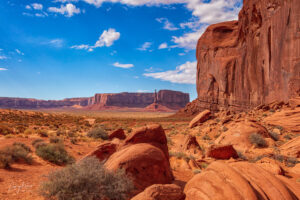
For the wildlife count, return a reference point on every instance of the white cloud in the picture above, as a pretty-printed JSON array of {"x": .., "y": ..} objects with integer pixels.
[
  {"x": 19, "y": 52},
  {"x": 188, "y": 40},
  {"x": 37, "y": 6},
  {"x": 68, "y": 10},
  {"x": 142, "y": 91},
  {"x": 125, "y": 66},
  {"x": 145, "y": 46},
  {"x": 185, "y": 74},
  {"x": 3, "y": 69},
  {"x": 163, "y": 46},
  {"x": 167, "y": 25},
  {"x": 65, "y": 1},
  {"x": 56, "y": 43},
  {"x": 3, "y": 57},
  {"x": 28, "y": 7},
  {"x": 98, "y": 3},
  {"x": 107, "y": 38}
]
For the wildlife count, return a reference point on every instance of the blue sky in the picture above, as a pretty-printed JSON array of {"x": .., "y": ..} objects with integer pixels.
[{"x": 54, "y": 49}]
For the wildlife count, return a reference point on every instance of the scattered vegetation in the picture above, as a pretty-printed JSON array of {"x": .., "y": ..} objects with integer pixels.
[
  {"x": 258, "y": 140},
  {"x": 5, "y": 129},
  {"x": 36, "y": 141},
  {"x": 15, "y": 153},
  {"x": 54, "y": 152},
  {"x": 241, "y": 155},
  {"x": 197, "y": 171},
  {"x": 181, "y": 155},
  {"x": 98, "y": 132},
  {"x": 206, "y": 137},
  {"x": 86, "y": 180},
  {"x": 55, "y": 139}
]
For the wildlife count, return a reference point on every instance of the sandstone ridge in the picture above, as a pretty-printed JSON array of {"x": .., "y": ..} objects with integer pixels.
[{"x": 168, "y": 99}]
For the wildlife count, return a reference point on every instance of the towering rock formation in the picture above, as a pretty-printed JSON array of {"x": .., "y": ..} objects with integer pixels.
[{"x": 252, "y": 61}]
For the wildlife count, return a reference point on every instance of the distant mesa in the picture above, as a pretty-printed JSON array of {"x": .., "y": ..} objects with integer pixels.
[{"x": 163, "y": 101}]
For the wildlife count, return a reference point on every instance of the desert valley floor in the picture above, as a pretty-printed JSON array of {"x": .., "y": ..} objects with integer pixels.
[{"x": 195, "y": 148}]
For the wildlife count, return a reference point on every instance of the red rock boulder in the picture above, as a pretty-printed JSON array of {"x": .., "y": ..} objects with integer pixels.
[
  {"x": 161, "y": 192},
  {"x": 144, "y": 163},
  {"x": 223, "y": 152},
  {"x": 104, "y": 150},
  {"x": 239, "y": 180},
  {"x": 119, "y": 133},
  {"x": 200, "y": 118}
]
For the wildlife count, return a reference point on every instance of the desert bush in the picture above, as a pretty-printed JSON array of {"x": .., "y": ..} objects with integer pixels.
[
  {"x": 36, "y": 141},
  {"x": 274, "y": 136},
  {"x": 42, "y": 133},
  {"x": 98, "y": 132},
  {"x": 60, "y": 132},
  {"x": 15, "y": 153},
  {"x": 73, "y": 141},
  {"x": 241, "y": 155},
  {"x": 5, "y": 129},
  {"x": 279, "y": 157},
  {"x": 206, "y": 137},
  {"x": 29, "y": 131},
  {"x": 197, "y": 171},
  {"x": 291, "y": 161},
  {"x": 55, "y": 139},
  {"x": 86, "y": 180},
  {"x": 54, "y": 152},
  {"x": 5, "y": 159},
  {"x": 287, "y": 137},
  {"x": 257, "y": 140}
]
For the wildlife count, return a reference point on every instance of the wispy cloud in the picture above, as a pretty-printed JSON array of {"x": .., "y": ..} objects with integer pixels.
[
  {"x": 184, "y": 74},
  {"x": 19, "y": 52},
  {"x": 3, "y": 57},
  {"x": 67, "y": 10},
  {"x": 3, "y": 69},
  {"x": 58, "y": 43},
  {"x": 163, "y": 46},
  {"x": 107, "y": 38},
  {"x": 125, "y": 66},
  {"x": 167, "y": 24},
  {"x": 145, "y": 46}
]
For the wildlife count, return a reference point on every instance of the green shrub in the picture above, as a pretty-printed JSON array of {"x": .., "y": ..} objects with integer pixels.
[
  {"x": 42, "y": 133},
  {"x": 54, "y": 152},
  {"x": 73, "y": 141},
  {"x": 258, "y": 140},
  {"x": 36, "y": 141},
  {"x": 197, "y": 171},
  {"x": 274, "y": 136},
  {"x": 5, "y": 159},
  {"x": 5, "y": 129},
  {"x": 15, "y": 153},
  {"x": 86, "y": 180},
  {"x": 206, "y": 137},
  {"x": 98, "y": 132},
  {"x": 55, "y": 139},
  {"x": 241, "y": 155}
]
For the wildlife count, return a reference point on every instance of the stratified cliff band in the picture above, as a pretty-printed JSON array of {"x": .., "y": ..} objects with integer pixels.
[{"x": 172, "y": 100}]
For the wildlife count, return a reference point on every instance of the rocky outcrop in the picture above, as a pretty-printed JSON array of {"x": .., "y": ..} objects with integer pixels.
[
  {"x": 252, "y": 61},
  {"x": 239, "y": 180},
  {"x": 238, "y": 134},
  {"x": 144, "y": 156},
  {"x": 291, "y": 148},
  {"x": 200, "y": 118},
  {"x": 161, "y": 192},
  {"x": 167, "y": 100},
  {"x": 223, "y": 152},
  {"x": 119, "y": 133}
]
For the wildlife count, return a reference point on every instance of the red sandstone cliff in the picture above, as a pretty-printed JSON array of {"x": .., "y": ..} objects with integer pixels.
[
  {"x": 172, "y": 100},
  {"x": 253, "y": 61}
]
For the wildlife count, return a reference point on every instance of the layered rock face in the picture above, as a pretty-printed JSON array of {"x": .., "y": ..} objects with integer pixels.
[
  {"x": 253, "y": 61},
  {"x": 23, "y": 103},
  {"x": 170, "y": 99}
]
